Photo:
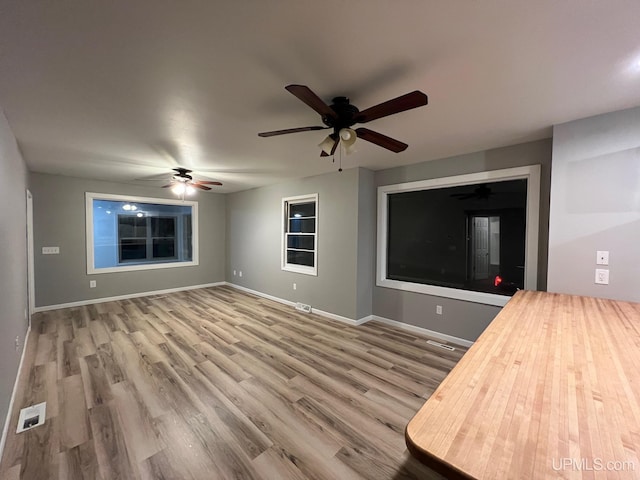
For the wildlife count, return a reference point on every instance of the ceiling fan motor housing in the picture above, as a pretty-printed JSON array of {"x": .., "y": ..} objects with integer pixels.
[{"x": 345, "y": 112}]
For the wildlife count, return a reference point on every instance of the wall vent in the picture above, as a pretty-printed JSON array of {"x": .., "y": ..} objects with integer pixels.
[
  {"x": 303, "y": 307},
  {"x": 31, "y": 417},
  {"x": 440, "y": 345}
]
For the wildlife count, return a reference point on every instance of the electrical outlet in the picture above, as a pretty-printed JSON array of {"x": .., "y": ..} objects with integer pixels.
[
  {"x": 92, "y": 284},
  {"x": 17, "y": 343},
  {"x": 602, "y": 257},
  {"x": 240, "y": 273},
  {"x": 438, "y": 309},
  {"x": 602, "y": 276},
  {"x": 295, "y": 286},
  {"x": 50, "y": 250},
  {"x": 234, "y": 273}
]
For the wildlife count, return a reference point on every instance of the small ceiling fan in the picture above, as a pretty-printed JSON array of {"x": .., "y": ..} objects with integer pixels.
[
  {"x": 182, "y": 182},
  {"x": 341, "y": 115}
]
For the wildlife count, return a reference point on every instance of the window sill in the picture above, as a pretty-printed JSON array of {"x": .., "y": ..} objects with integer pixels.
[
  {"x": 454, "y": 293},
  {"x": 132, "y": 268},
  {"x": 300, "y": 269}
]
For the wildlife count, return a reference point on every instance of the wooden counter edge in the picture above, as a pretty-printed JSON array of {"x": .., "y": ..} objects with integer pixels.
[{"x": 434, "y": 463}]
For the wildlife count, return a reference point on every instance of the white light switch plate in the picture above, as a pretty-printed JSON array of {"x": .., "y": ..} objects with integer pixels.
[
  {"x": 50, "y": 250},
  {"x": 602, "y": 257}
]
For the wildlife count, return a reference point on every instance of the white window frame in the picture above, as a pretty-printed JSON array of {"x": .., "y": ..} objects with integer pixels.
[
  {"x": 91, "y": 196},
  {"x": 290, "y": 267},
  {"x": 531, "y": 173}
]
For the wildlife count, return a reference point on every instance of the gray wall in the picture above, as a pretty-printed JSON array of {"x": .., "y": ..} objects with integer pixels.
[
  {"x": 595, "y": 205},
  {"x": 460, "y": 318},
  {"x": 366, "y": 248},
  {"x": 59, "y": 218},
  {"x": 13, "y": 258},
  {"x": 254, "y": 225}
]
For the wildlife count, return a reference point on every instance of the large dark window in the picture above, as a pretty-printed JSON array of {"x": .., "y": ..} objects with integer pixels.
[{"x": 469, "y": 237}]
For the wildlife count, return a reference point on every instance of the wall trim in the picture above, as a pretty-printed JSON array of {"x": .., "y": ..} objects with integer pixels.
[
  {"x": 124, "y": 297},
  {"x": 7, "y": 421},
  {"x": 425, "y": 331},
  {"x": 322, "y": 313}
]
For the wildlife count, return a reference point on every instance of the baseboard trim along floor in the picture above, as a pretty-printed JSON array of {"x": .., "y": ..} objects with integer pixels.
[
  {"x": 13, "y": 395},
  {"x": 93, "y": 301}
]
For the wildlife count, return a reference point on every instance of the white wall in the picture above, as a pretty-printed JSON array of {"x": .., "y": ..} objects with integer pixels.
[
  {"x": 595, "y": 205},
  {"x": 13, "y": 258}
]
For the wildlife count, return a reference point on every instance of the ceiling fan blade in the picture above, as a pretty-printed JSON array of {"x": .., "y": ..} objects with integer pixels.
[
  {"x": 399, "y": 104},
  {"x": 201, "y": 187},
  {"x": 206, "y": 182},
  {"x": 381, "y": 140},
  {"x": 307, "y": 96},
  {"x": 169, "y": 185},
  {"x": 333, "y": 149},
  {"x": 290, "y": 130}
]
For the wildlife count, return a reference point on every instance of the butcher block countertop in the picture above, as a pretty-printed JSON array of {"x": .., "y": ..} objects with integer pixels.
[{"x": 551, "y": 389}]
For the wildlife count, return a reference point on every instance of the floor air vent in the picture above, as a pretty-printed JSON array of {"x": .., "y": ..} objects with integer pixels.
[
  {"x": 441, "y": 345},
  {"x": 303, "y": 307},
  {"x": 31, "y": 417}
]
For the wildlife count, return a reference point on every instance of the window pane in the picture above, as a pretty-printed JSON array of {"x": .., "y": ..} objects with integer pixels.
[
  {"x": 302, "y": 225},
  {"x": 133, "y": 249},
  {"x": 132, "y": 226},
  {"x": 164, "y": 248},
  {"x": 163, "y": 226},
  {"x": 305, "y": 242},
  {"x": 302, "y": 210},
  {"x": 300, "y": 258},
  {"x": 461, "y": 237}
]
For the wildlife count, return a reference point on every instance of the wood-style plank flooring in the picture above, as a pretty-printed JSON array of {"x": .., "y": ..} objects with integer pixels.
[{"x": 218, "y": 384}]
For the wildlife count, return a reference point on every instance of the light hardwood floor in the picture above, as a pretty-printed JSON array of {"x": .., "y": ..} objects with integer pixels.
[{"x": 218, "y": 384}]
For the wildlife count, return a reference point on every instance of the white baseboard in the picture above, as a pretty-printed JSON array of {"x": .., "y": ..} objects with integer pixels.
[
  {"x": 322, "y": 313},
  {"x": 124, "y": 297},
  {"x": 425, "y": 331},
  {"x": 7, "y": 420}
]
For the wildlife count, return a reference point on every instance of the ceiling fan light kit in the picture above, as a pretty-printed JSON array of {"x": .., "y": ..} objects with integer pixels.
[
  {"x": 341, "y": 115},
  {"x": 327, "y": 144},
  {"x": 348, "y": 139},
  {"x": 183, "y": 184}
]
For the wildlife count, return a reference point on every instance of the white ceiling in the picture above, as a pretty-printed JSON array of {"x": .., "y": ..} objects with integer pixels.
[{"x": 117, "y": 90}]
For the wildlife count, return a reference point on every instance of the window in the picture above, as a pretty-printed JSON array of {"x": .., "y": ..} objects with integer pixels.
[
  {"x": 146, "y": 238},
  {"x": 137, "y": 233},
  {"x": 471, "y": 237},
  {"x": 299, "y": 240}
]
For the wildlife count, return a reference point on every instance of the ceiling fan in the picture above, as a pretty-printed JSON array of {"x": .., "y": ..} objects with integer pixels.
[
  {"x": 341, "y": 115},
  {"x": 182, "y": 182}
]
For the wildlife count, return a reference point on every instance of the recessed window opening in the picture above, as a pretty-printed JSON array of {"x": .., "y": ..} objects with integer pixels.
[
  {"x": 299, "y": 240},
  {"x": 472, "y": 237},
  {"x": 136, "y": 233}
]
